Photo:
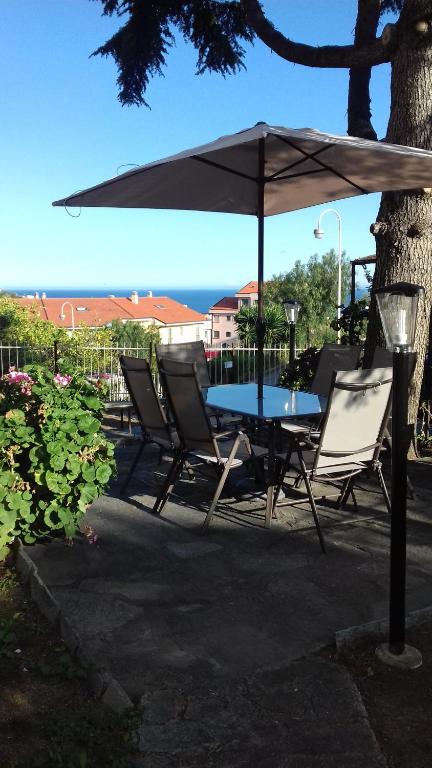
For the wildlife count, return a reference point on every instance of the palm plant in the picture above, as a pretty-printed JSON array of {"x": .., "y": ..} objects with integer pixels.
[{"x": 276, "y": 328}]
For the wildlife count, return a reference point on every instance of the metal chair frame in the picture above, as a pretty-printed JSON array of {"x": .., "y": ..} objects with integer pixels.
[
  {"x": 151, "y": 416},
  {"x": 196, "y": 436},
  {"x": 350, "y": 462}
]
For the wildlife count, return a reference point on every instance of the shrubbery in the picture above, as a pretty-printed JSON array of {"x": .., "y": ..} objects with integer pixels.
[
  {"x": 299, "y": 375},
  {"x": 54, "y": 459}
]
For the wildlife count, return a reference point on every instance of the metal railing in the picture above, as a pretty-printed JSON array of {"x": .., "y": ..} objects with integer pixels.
[{"x": 234, "y": 365}]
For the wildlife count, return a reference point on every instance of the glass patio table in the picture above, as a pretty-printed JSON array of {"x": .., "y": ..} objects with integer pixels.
[{"x": 276, "y": 405}]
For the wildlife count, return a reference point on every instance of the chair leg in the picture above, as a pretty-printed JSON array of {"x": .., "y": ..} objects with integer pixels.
[
  {"x": 169, "y": 483},
  {"x": 313, "y": 506},
  {"x": 282, "y": 474},
  {"x": 345, "y": 492},
  {"x": 411, "y": 488},
  {"x": 133, "y": 467},
  {"x": 189, "y": 470},
  {"x": 384, "y": 489},
  {"x": 220, "y": 485}
]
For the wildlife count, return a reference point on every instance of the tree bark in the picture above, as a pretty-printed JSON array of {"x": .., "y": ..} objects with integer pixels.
[
  {"x": 359, "y": 113},
  {"x": 404, "y": 234}
]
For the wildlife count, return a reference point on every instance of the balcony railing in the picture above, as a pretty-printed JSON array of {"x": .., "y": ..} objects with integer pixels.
[{"x": 233, "y": 365}]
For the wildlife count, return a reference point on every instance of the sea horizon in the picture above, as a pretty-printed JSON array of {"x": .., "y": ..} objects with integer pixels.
[{"x": 200, "y": 299}]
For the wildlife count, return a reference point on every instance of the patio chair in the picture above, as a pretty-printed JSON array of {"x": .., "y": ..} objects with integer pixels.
[
  {"x": 351, "y": 436},
  {"x": 148, "y": 408},
  {"x": 333, "y": 357},
  {"x": 187, "y": 352},
  {"x": 384, "y": 357},
  {"x": 194, "y": 352},
  {"x": 197, "y": 439}
]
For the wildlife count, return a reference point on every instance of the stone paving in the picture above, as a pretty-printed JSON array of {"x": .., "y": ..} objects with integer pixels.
[{"x": 217, "y": 636}]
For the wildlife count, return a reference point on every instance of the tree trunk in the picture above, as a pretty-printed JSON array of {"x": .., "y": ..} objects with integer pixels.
[{"x": 403, "y": 231}]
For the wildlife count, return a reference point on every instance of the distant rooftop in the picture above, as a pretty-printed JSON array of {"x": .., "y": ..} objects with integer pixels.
[
  {"x": 251, "y": 287},
  {"x": 98, "y": 312},
  {"x": 228, "y": 302}
]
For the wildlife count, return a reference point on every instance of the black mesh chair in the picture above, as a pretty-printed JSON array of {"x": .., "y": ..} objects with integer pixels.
[
  {"x": 148, "y": 408},
  {"x": 197, "y": 440},
  {"x": 194, "y": 352},
  {"x": 187, "y": 352}
]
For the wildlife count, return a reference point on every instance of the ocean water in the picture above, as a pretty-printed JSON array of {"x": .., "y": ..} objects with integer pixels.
[{"x": 200, "y": 299}]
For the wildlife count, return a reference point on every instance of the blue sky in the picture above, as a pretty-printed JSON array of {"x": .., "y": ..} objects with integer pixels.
[{"x": 63, "y": 129}]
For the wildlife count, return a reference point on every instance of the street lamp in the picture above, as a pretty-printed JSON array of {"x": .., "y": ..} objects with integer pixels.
[
  {"x": 319, "y": 234},
  {"x": 63, "y": 316},
  {"x": 292, "y": 309},
  {"x": 397, "y": 305}
]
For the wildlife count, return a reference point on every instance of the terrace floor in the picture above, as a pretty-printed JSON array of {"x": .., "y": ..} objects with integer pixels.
[{"x": 217, "y": 636}]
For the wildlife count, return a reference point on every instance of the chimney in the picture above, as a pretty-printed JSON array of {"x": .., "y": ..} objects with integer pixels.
[
  {"x": 36, "y": 295},
  {"x": 43, "y": 297},
  {"x": 149, "y": 294},
  {"x": 134, "y": 297}
]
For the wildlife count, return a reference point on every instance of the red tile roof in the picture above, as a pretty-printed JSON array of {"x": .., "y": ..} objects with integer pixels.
[
  {"x": 98, "y": 312},
  {"x": 251, "y": 287},
  {"x": 228, "y": 302}
]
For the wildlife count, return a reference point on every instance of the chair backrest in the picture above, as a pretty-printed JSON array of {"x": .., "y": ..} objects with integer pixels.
[
  {"x": 187, "y": 352},
  {"x": 186, "y": 403},
  {"x": 141, "y": 388},
  {"x": 382, "y": 358},
  {"x": 333, "y": 357},
  {"x": 357, "y": 412}
]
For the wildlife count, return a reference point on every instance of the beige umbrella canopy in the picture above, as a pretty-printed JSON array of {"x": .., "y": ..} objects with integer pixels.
[{"x": 263, "y": 171}]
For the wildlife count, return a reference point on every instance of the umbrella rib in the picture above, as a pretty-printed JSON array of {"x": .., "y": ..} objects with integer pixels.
[
  {"x": 274, "y": 175},
  {"x": 324, "y": 165},
  {"x": 224, "y": 168},
  {"x": 297, "y": 175}
]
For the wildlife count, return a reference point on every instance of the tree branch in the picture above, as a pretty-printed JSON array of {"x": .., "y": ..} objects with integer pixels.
[
  {"x": 359, "y": 113},
  {"x": 337, "y": 56}
]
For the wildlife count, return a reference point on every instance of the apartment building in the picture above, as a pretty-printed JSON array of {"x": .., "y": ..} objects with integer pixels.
[{"x": 223, "y": 326}]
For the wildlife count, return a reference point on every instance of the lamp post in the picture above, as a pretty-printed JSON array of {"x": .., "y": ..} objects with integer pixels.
[
  {"x": 319, "y": 234},
  {"x": 397, "y": 305},
  {"x": 292, "y": 309},
  {"x": 63, "y": 316}
]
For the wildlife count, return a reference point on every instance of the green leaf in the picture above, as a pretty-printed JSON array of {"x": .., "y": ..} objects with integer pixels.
[
  {"x": 57, "y": 462},
  {"x": 103, "y": 473}
]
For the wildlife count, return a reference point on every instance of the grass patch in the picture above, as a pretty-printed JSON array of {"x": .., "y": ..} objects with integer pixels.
[{"x": 48, "y": 718}]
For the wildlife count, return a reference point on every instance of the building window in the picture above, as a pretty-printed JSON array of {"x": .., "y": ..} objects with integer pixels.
[
  {"x": 228, "y": 318},
  {"x": 228, "y": 334},
  {"x": 244, "y": 302},
  {"x": 216, "y": 334},
  {"x": 215, "y": 318}
]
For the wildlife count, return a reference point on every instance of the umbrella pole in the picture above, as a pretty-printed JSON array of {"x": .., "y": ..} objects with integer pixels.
[{"x": 260, "y": 328}]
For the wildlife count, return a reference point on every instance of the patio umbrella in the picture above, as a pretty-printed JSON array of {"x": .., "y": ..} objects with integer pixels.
[{"x": 262, "y": 171}]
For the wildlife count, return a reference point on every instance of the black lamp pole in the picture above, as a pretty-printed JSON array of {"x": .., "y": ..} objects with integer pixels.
[
  {"x": 292, "y": 309},
  {"x": 397, "y": 306},
  {"x": 403, "y": 363},
  {"x": 292, "y": 344}
]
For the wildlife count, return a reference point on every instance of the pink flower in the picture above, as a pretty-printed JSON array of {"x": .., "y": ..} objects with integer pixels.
[
  {"x": 62, "y": 381},
  {"x": 23, "y": 380}
]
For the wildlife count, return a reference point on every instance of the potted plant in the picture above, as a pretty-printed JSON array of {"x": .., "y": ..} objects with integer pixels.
[{"x": 54, "y": 458}]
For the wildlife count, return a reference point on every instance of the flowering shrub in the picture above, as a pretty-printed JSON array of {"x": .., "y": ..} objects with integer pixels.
[{"x": 54, "y": 459}]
